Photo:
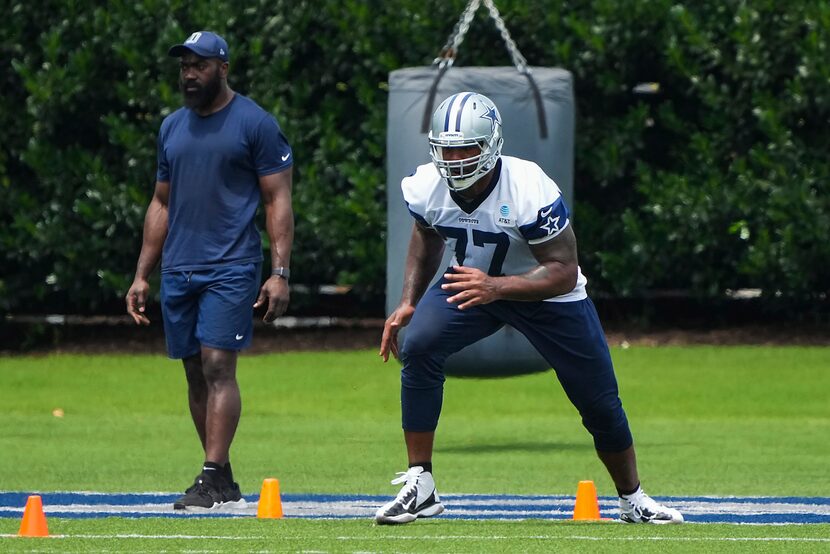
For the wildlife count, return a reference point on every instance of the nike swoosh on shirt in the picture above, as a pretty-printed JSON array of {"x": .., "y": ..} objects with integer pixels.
[
  {"x": 286, "y": 156},
  {"x": 546, "y": 213},
  {"x": 239, "y": 337}
]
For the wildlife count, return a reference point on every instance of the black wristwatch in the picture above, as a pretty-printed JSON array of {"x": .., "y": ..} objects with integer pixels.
[{"x": 281, "y": 272}]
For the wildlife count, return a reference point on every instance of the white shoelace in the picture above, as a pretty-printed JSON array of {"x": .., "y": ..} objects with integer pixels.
[
  {"x": 408, "y": 477},
  {"x": 642, "y": 500}
]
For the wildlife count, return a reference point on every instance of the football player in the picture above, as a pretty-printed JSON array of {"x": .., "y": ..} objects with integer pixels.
[{"x": 515, "y": 262}]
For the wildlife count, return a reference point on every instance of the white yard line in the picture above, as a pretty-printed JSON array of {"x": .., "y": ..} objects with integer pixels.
[
  {"x": 584, "y": 538},
  {"x": 140, "y": 536}
]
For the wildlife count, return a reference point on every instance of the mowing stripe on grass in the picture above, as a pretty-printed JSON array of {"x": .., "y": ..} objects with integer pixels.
[
  {"x": 477, "y": 538},
  {"x": 698, "y": 509}
]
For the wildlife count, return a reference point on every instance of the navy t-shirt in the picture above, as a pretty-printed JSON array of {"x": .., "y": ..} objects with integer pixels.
[{"x": 213, "y": 165}]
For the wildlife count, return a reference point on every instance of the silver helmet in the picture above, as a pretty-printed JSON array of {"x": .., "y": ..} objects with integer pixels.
[{"x": 463, "y": 120}]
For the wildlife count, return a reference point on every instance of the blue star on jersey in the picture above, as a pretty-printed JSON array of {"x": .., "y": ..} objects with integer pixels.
[
  {"x": 493, "y": 116},
  {"x": 552, "y": 225}
]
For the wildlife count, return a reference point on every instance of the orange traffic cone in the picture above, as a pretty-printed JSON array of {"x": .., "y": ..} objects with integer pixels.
[
  {"x": 270, "y": 504},
  {"x": 587, "y": 504},
  {"x": 34, "y": 520}
]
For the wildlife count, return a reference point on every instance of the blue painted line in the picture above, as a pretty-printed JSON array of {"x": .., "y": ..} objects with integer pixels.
[
  {"x": 696, "y": 509},
  {"x": 62, "y": 498},
  {"x": 768, "y": 519},
  {"x": 720, "y": 518},
  {"x": 137, "y": 515},
  {"x": 815, "y": 500}
]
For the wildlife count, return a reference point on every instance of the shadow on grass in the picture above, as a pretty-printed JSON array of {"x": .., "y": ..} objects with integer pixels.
[{"x": 515, "y": 447}]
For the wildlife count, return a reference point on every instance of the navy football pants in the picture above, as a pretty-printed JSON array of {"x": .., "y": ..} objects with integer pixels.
[{"x": 567, "y": 334}]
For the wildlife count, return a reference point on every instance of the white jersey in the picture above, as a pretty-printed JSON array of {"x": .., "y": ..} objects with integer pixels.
[{"x": 521, "y": 207}]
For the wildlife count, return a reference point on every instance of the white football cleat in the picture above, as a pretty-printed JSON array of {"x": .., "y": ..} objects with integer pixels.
[
  {"x": 641, "y": 508},
  {"x": 417, "y": 498}
]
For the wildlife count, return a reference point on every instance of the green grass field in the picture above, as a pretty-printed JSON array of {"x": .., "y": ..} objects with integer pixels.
[
  {"x": 164, "y": 535},
  {"x": 706, "y": 420}
]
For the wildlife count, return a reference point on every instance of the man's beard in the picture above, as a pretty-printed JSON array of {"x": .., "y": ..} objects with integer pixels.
[{"x": 204, "y": 96}]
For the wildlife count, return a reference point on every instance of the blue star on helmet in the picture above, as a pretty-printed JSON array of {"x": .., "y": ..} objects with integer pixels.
[{"x": 493, "y": 116}]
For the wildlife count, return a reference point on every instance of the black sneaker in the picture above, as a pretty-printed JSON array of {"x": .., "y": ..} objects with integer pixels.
[
  {"x": 211, "y": 491},
  {"x": 231, "y": 495},
  {"x": 204, "y": 494}
]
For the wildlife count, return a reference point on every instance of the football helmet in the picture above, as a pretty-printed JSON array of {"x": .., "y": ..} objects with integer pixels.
[{"x": 463, "y": 120}]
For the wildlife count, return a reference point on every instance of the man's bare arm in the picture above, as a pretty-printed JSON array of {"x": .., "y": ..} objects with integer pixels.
[
  {"x": 279, "y": 223},
  {"x": 556, "y": 274},
  {"x": 155, "y": 232},
  {"x": 426, "y": 247}
]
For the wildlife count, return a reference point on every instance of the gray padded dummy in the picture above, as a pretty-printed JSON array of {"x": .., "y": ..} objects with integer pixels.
[{"x": 549, "y": 144}]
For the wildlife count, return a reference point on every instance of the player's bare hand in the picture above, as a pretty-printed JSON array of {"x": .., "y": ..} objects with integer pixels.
[
  {"x": 275, "y": 291},
  {"x": 394, "y": 323},
  {"x": 137, "y": 299},
  {"x": 472, "y": 286}
]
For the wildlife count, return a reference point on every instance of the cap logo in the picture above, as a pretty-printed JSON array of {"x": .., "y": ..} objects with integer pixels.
[{"x": 194, "y": 38}]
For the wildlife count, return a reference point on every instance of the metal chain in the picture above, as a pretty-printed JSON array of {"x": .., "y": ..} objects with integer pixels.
[
  {"x": 518, "y": 60},
  {"x": 448, "y": 53}
]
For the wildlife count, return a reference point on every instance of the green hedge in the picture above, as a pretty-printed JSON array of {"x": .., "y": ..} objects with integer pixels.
[{"x": 719, "y": 181}]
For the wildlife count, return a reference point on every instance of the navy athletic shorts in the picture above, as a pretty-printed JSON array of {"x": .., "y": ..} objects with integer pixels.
[{"x": 210, "y": 307}]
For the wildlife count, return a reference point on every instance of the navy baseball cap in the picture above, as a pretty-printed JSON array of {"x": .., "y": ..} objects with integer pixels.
[{"x": 204, "y": 44}]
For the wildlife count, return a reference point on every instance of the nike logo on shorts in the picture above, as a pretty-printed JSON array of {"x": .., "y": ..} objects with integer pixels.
[
  {"x": 286, "y": 156},
  {"x": 239, "y": 337}
]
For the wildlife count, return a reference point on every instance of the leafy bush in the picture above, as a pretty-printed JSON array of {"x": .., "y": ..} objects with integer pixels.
[{"x": 719, "y": 181}]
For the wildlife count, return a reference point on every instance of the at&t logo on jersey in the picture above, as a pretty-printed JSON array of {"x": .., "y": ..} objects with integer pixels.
[{"x": 505, "y": 216}]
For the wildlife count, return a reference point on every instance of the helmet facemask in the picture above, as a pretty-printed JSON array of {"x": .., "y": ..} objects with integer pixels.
[{"x": 462, "y": 121}]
